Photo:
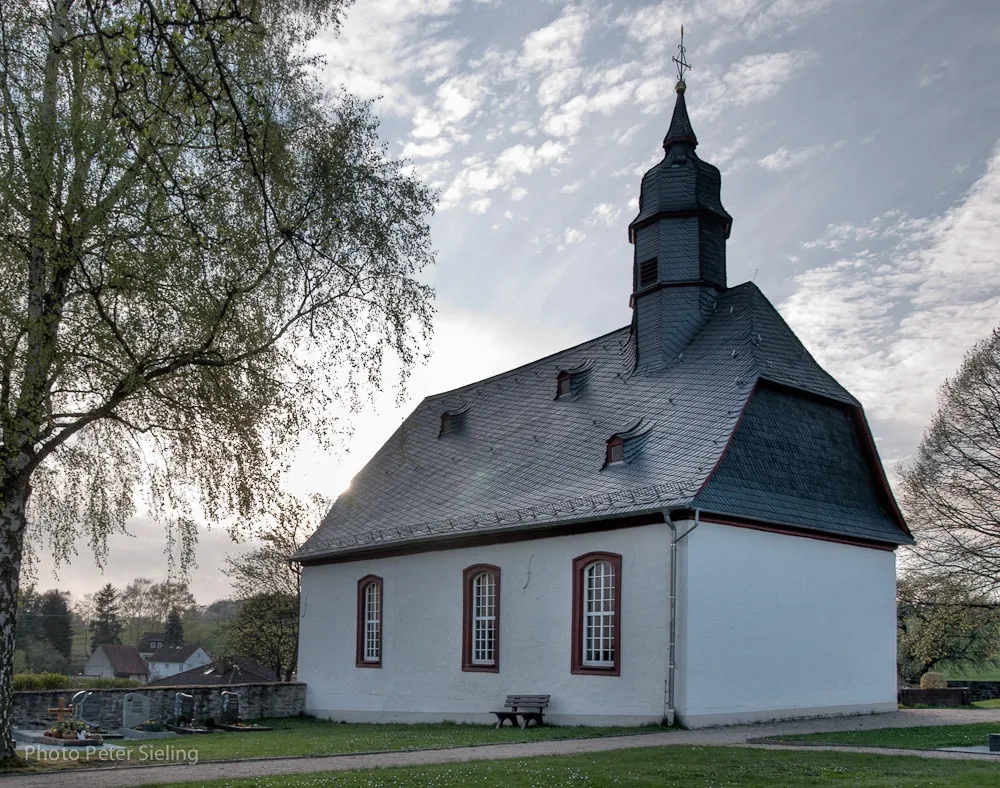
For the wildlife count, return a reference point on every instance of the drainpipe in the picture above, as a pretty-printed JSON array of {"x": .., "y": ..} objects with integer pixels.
[{"x": 668, "y": 705}]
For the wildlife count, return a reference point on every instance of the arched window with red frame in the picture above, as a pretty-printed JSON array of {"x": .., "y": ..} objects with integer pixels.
[
  {"x": 481, "y": 618},
  {"x": 596, "y": 630},
  {"x": 370, "y": 611}
]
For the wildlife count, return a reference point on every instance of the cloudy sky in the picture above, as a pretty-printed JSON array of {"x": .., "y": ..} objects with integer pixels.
[{"x": 859, "y": 142}]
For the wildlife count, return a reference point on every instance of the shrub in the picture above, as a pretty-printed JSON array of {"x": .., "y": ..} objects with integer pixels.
[
  {"x": 102, "y": 683},
  {"x": 933, "y": 680},
  {"x": 40, "y": 681},
  {"x": 57, "y": 681}
]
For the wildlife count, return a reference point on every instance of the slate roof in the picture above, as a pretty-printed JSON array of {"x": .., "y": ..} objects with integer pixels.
[
  {"x": 125, "y": 660},
  {"x": 237, "y": 670},
  {"x": 173, "y": 654},
  {"x": 523, "y": 459},
  {"x": 680, "y": 129},
  {"x": 799, "y": 462}
]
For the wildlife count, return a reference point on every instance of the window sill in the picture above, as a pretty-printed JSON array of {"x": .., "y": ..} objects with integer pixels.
[
  {"x": 369, "y": 664},
  {"x": 582, "y": 671},
  {"x": 470, "y": 668}
]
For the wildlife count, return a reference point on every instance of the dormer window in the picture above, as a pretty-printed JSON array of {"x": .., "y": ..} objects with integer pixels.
[
  {"x": 616, "y": 450},
  {"x": 625, "y": 447},
  {"x": 452, "y": 420},
  {"x": 570, "y": 382},
  {"x": 564, "y": 384}
]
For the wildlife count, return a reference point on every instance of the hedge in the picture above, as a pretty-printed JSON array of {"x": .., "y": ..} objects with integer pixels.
[{"x": 57, "y": 681}]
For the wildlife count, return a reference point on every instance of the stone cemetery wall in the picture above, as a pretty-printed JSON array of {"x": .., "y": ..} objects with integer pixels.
[
  {"x": 979, "y": 690},
  {"x": 256, "y": 701}
]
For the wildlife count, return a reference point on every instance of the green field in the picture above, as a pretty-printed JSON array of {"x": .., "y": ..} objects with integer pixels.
[
  {"x": 929, "y": 738},
  {"x": 304, "y": 736},
  {"x": 972, "y": 674},
  {"x": 658, "y": 766}
]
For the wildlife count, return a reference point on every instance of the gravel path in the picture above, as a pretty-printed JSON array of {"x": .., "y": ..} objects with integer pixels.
[{"x": 113, "y": 777}]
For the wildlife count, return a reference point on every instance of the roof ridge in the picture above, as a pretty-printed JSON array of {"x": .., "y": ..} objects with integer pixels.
[
  {"x": 513, "y": 370},
  {"x": 758, "y": 298}
]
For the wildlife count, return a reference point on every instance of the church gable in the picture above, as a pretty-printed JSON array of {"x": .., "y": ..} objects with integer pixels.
[{"x": 800, "y": 461}]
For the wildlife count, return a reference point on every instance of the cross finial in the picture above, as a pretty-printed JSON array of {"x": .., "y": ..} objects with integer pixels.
[{"x": 680, "y": 59}]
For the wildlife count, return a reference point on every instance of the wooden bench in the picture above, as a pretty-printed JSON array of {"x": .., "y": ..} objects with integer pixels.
[{"x": 516, "y": 704}]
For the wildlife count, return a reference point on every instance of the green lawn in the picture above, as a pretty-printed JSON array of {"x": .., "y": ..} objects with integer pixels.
[
  {"x": 928, "y": 738},
  {"x": 658, "y": 766},
  {"x": 988, "y": 673},
  {"x": 303, "y": 736}
]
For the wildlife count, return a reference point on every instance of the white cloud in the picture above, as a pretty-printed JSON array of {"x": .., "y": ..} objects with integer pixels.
[
  {"x": 384, "y": 65},
  {"x": 572, "y": 236},
  {"x": 728, "y": 153},
  {"x": 657, "y": 26},
  {"x": 480, "y": 177},
  {"x": 455, "y": 99},
  {"x": 480, "y": 206},
  {"x": 557, "y": 45},
  {"x": 557, "y": 85},
  {"x": 426, "y": 150},
  {"x": 604, "y": 213},
  {"x": 751, "y": 79},
  {"x": 891, "y": 324},
  {"x": 786, "y": 158},
  {"x": 518, "y": 193}
]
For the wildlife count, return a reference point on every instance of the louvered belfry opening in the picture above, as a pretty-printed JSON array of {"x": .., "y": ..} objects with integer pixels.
[
  {"x": 647, "y": 272},
  {"x": 679, "y": 235}
]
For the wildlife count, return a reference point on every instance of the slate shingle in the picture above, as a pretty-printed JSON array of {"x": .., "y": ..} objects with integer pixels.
[{"x": 524, "y": 459}]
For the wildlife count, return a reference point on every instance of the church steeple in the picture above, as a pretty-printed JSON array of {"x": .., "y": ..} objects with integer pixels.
[
  {"x": 680, "y": 130},
  {"x": 679, "y": 239}
]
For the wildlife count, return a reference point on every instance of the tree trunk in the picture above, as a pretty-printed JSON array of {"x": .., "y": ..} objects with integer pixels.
[{"x": 12, "y": 528}]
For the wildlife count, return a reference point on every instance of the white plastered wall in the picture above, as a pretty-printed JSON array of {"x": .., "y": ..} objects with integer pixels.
[
  {"x": 421, "y": 678},
  {"x": 775, "y": 626}
]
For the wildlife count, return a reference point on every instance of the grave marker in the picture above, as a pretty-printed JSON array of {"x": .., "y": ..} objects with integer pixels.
[
  {"x": 135, "y": 710},
  {"x": 87, "y": 708},
  {"x": 183, "y": 708},
  {"x": 230, "y": 708},
  {"x": 62, "y": 710}
]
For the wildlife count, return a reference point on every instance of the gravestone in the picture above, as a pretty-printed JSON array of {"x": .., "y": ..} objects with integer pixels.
[
  {"x": 183, "y": 708},
  {"x": 87, "y": 708},
  {"x": 995, "y": 742},
  {"x": 230, "y": 708},
  {"x": 135, "y": 710}
]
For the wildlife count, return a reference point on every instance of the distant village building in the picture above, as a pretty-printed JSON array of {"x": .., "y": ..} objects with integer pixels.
[
  {"x": 684, "y": 516},
  {"x": 167, "y": 662},
  {"x": 117, "y": 662},
  {"x": 222, "y": 672},
  {"x": 151, "y": 642}
]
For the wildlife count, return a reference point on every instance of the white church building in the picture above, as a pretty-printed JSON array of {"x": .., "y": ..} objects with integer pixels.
[{"x": 686, "y": 517}]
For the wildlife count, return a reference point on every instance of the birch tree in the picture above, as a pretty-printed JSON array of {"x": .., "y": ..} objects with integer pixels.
[
  {"x": 951, "y": 491},
  {"x": 202, "y": 255}
]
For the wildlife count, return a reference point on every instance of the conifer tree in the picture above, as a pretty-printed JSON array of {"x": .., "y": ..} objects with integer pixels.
[
  {"x": 56, "y": 624},
  {"x": 173, "y": 634},
  {"x": 106, "y": 624}
]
